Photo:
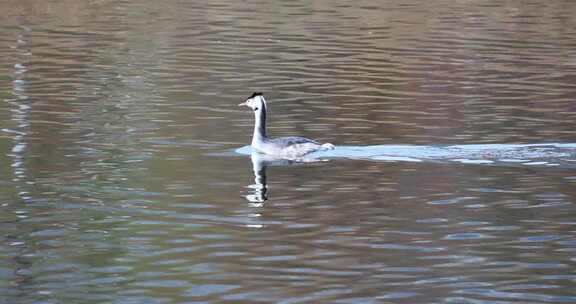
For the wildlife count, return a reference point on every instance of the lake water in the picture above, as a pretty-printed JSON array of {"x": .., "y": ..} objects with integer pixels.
[{"x": 124, "y": 176}]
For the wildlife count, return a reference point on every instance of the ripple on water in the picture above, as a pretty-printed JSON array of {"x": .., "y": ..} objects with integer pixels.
[{"x": 450, "y": 183}]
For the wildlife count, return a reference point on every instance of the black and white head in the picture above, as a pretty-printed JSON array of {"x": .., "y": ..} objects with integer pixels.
[{"x": 255, "y": 102}]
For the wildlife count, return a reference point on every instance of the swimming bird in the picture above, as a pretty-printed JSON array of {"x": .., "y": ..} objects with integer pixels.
[{"x": 292, "y": 147}]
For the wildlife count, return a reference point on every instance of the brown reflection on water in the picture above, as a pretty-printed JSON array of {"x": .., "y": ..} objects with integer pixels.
[{"x": 117, "y": 117}]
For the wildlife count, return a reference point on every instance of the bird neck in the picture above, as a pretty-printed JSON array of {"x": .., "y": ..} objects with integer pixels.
[{"x": 260, "y": 125}]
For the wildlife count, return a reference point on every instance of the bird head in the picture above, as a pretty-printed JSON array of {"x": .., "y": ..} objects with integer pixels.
[{"x": 256, "y": 101}]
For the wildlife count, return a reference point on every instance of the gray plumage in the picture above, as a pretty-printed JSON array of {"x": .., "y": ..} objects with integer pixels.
[{"x": 292, "y": 140}]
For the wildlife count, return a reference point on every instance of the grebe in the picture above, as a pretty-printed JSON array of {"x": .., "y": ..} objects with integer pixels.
[{"x": 292, "y": 147}]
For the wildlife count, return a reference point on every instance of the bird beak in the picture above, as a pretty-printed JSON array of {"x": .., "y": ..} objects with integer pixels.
[{"x": 243, "y": 104}]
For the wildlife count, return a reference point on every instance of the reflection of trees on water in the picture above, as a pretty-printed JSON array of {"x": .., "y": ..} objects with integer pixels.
[
  {"x": 77, "y": 116},
  {"x": 20, "y": 114},
  {"x": 80, "y": 110},
  {"x": 20, "y": 132}
]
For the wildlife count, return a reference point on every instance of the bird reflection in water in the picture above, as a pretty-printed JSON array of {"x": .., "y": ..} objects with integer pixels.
[
  {"x": 259, "y": 190},
  {"x": 260, "y": 162}
]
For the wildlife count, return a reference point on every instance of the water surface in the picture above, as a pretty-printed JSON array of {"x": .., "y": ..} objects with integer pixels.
[{"x": 119, "y": 182}]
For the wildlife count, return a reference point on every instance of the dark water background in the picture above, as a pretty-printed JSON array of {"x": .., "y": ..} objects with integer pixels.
[{"x": 118, "y": 184}]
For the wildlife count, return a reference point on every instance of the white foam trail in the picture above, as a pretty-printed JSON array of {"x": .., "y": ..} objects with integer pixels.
[{"x": 551, "y": 154}]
